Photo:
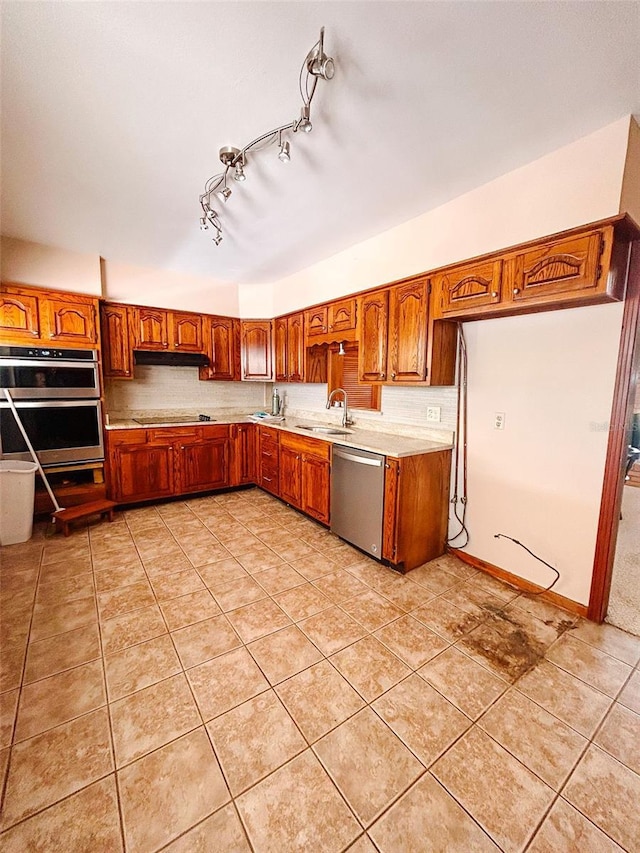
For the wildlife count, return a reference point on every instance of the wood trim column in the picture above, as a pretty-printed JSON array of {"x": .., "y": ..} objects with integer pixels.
[{"x": 618, "y": 440}]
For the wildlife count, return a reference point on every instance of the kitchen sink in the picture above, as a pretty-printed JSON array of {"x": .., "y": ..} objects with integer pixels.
[{"x": 326, "y": 430}]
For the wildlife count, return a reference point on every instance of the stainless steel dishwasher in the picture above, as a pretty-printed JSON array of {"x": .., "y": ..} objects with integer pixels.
[{"x": 357, "y": 497}]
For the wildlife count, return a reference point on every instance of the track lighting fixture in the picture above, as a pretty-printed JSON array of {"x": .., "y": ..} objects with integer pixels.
[
  {"x": 316, "y": 66},
  {"x": 305, "y": 122},
  {"x": 341, "y": 349},
  {"x": 285, "y": 151}
]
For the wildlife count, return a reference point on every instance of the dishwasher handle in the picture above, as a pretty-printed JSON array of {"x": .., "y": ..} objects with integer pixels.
[{"x": 361, "y": 460}]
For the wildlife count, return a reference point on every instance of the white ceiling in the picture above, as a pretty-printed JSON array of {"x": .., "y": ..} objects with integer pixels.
[{"x": 113, "y": 113}]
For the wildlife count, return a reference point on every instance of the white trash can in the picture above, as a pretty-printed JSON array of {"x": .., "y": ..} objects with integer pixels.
[{"x": 17, "y": 486}]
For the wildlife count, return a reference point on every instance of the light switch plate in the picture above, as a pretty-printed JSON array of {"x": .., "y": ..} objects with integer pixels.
[
  {"x": 433, "y": 413},
  {"x": 498, "y": 420}
]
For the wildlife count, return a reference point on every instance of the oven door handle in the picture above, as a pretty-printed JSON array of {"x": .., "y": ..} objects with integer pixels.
[{"x": 36, "y": 362}]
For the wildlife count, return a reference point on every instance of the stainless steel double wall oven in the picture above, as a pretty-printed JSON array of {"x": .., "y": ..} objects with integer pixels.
[{"x": 57, "y": 395}]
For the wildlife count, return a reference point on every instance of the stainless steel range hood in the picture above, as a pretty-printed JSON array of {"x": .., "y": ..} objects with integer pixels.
[{"x": 171, "y": 359}]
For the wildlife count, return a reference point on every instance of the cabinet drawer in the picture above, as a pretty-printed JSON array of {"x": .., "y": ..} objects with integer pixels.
[
  {"x": 306, "y": 446},
  {"x": 270, "y": 455},
  {"x": 165, "y": 435},
  {"x": 120, "y": 437},
  {"x": 221, "y": 431}
]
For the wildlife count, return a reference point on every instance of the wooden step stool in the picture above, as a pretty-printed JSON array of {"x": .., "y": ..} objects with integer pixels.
[{"x": 74, "y": 513}]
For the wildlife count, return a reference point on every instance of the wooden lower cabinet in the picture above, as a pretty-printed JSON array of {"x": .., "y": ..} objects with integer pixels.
[
  {"x": 243, "y": 453},
  {"x": 162, "y": 463},
  {"x": 305, "y": 472},
  {"x": 316, "y": 487},
  {"x": 203, "y": 465},
  {"x": 416, "y": 507},
  {"x": 141, "y": 472},
  {"x": 268, "y": 461}
]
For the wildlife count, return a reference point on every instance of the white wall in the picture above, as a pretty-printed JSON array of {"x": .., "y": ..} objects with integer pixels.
[
  {"x": 574, "y": 185},
  {"x": 22, "y": 262},
  {"x": 166, "y": 289},
  {"x": 540, "y": 479}
]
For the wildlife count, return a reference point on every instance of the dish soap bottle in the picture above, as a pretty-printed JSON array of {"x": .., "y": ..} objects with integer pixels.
[{"x": 275, "y": 402}]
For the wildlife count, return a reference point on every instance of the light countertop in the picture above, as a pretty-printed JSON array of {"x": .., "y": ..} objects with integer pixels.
[{"x": 387, "y": 443}]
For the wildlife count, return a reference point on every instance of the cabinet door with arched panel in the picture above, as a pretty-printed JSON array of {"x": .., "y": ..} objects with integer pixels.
[
  {"x": 469, "y": 287},
  {"x": 70, "y": 322},
  {"x": 19, "y": 317}
]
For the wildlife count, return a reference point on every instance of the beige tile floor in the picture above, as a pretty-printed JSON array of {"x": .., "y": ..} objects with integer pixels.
[{"x": 222, "y": 674}]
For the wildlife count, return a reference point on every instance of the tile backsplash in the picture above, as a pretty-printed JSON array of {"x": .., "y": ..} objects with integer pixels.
[
  {"x": 161, "y": 387},
  {"x": 403, "y": 409}
]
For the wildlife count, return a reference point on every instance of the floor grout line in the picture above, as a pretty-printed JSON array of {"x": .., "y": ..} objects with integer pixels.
[{"x": 309, "y": 745}]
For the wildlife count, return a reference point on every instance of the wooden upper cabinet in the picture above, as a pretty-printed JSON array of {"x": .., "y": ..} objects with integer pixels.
[
  {"x": 70, "y": 321},
  {"x": 373, "y": 314},
  {"x": 280, "y": 346},
  {"x": 408, "y": 315},
  {"x": 186, "y": 332},
  {"x": 563, "y": 267},
  {"x": 257, "y": 349},
  {"x": 289, "y": 348},
  {"x": 223, "y": 348},
  {"x": 45, "y": 317},
  {"x": 470, "y": 287},
  {"x": 295, "y": 347},
  {"x": 151, "y": 332},
  {"x": 19, "y": 319},
  {"x": 117, "y": 354},
  {"x": 343, "y": 315},
  {"x": 316, "y": 321}
]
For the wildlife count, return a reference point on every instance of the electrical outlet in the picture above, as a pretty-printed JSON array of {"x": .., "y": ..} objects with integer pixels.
[
  {"x": 433, "y": 413},
  {"x": 498, "y": 420}
]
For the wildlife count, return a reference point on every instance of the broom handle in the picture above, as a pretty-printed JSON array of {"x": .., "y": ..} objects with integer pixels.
[{"x": 34, "y": 455}]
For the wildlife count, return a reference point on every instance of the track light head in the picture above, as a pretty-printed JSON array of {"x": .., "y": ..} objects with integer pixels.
[
  {"x": 224, "y": 194},
  {"x": 203, "y": 224},
  {"x": 305, "y": 121},
  {"x": 239, "y": 173},
  {"x": 285, "y": 152},
  {"x": 318, "y": 63}
]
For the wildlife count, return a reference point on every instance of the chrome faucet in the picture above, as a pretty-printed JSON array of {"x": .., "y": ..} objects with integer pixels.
[{"x": 346, "y": 420}]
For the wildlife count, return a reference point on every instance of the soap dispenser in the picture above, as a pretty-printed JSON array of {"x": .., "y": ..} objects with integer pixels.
[{"x": 275, "y": 402}]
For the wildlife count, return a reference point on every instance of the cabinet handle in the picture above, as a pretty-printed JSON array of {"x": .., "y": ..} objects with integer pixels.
[
  {"x": 382, "y": 376},
  {"x": 127, "y": 372},
  {"x": 494, "y": 294},
  {"x": 393, "y": 376},
  {"x": 267, "y": 479},
  {"x": 516, "y": 290},
  {"x": 34, "y": 332},
  {"x": 182, "y": 447},
  {"x": 171, "y": 450},
  {"x": 264, "y": 453},
  {"x": 175, "y": 345}
]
